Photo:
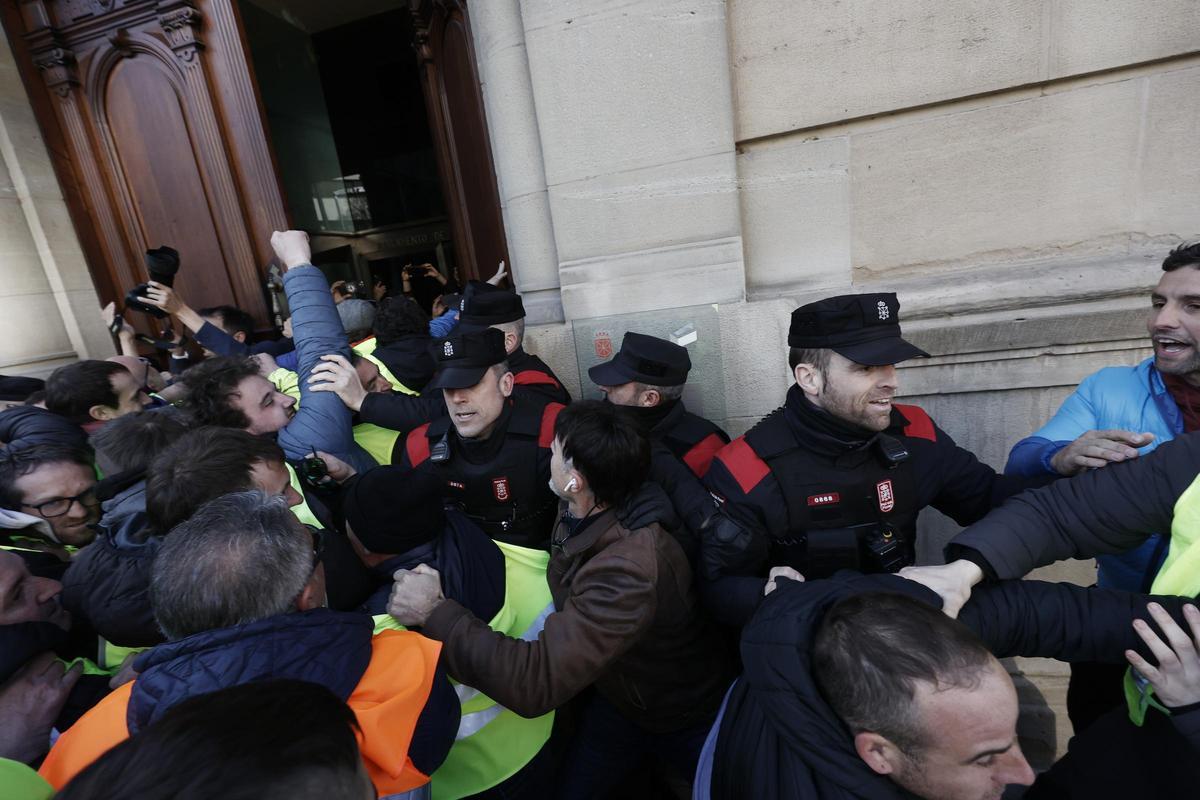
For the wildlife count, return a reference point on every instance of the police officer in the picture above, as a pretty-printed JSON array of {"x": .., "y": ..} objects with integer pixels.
[
  {"x": 483, "y": 306},
  {"x": 647, "y": 376},
  {"x": 835, "y": 478},
  {"x": 493, "y": 449},
  {"x": 646, "y": 379}
]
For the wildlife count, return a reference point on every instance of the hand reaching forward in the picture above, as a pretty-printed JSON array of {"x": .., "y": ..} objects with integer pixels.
[
  {"x": 30, "y": 702},
  {"x": 951, "y": 581},
  {"x": 1176, "y": 679},
  {"x": 1096, "y": 449}
]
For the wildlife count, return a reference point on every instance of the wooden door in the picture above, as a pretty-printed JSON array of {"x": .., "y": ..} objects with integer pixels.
[
  {"x": 459, "y": 127},
  {"x": 151, "y": 116}
]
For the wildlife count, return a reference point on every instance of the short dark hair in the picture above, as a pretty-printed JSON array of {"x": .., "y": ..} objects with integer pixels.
[
  {"x": 233, "y": 319},
  {"x": 272, "y": 739},
  {"x": 72, "y": 390},
  {"x": 19, "y": 460},
  {"x": 397, "y": 317},
  {"x": 1185, "y": 255},
  {"x": 132, "y": 441},
  {"x": 240, "y": 558},
  {"x": 817, "y": 356},
  {"x": 606, "y": 447},
  {"x": 203, "y": 464},
  {"x": 211, "y": 383},
  {"x": 872, "y": 649}
]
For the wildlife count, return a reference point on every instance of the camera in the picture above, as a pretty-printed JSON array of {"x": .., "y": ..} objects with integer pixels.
[{"x": 162, "y": 263}]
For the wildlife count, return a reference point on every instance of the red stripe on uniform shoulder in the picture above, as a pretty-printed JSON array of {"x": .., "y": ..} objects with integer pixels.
[
  {"x": 919, "y": 426},
  {"x": 529, "y": 377},
  {"x": 549, "y": 417},
  {"x": 417, "y": 445},
  {"x": 743, "y": 464},
  {"x": 700, "y": 457}
]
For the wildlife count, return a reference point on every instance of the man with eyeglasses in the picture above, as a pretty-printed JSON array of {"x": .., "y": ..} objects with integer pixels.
[{"x": 47, "y": 505}]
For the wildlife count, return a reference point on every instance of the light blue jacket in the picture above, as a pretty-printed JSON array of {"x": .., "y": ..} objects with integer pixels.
[
  {"x": 1124, "y": 398},
  {"x": 323, "y": 421}
]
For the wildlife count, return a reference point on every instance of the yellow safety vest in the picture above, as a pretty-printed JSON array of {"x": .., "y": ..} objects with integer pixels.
[
  {"x": 19, "y": 782},
  {"x": 1179, "y": 575},
  {"x": 366, "y": 349},
  {"x": 378, "y": 442},
  {"x": 492, "y": 742}
]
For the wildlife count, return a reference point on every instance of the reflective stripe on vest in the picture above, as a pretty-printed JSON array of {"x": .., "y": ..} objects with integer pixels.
[
  {"x": 366, "y": 348},
  {"x": 1179, "y": 575},
  {"x": 378, "y": 442},
  {"x": 496, "y": 742}
]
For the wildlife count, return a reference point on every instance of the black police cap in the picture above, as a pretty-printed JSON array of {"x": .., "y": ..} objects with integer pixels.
[
  {"x": 464, "y": 358},
  {"x": 645, "y": 359},
  {"x": 864, "y": 328},
  {"x": 483, "y": 305}
]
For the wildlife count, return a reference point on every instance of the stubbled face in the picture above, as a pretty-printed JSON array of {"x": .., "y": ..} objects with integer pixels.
[
  {"x": 371, "y": 378},
  {"x": 273, "y": 478},
  {"x": 1174, "y": 323},
  {"x": 972, "y": 751},
  {"x": 474, "y": 411},
  {"x": 268, "y": 409},
  {"x": 49, "y": 482},
  {"x": 626, "y": 394},
  {"x": 25, "y": 598},
  {"x": 858, "y": 394}
]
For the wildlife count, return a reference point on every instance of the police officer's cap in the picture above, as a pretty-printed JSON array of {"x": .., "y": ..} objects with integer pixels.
[
  {"x": 483, "y": 305},
  {"x": 864, "y": 328},
  {"x": 645, "y": 359},
  {"x": 464, "y": 358}
]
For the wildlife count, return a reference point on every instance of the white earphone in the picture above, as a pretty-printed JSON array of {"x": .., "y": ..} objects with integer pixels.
[{"x": 570, "y": 485}]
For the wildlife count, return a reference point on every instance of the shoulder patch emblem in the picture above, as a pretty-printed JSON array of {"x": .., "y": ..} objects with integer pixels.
[
  {"x": 887, "y": 500},
  {"x": 500, "y": 489}
]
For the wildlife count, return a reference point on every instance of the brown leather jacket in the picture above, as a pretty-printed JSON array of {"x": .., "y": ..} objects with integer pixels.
[{"x": 627, "y": 620}]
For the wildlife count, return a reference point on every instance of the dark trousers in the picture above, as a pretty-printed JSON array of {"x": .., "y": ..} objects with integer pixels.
[{"x": 607, "y": 746}]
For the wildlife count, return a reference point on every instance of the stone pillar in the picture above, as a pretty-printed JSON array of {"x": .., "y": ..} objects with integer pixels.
[
  {"x": 49, "y": 312},
  {"x": 635, "y": 111},
  {"x": 499, "y": 38}
]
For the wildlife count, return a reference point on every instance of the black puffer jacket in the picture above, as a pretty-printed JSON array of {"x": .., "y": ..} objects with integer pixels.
[
  {"x": 108, "y": 582},
  {"x": 34, "y": 426},
  {"x": 779, "y": 739}
]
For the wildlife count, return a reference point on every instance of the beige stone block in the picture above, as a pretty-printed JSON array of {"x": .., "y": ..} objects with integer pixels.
[
  {"x": 21, "y": 274},
  {"x": 675, "y": 276},
  {"x": 15, "y": 237},
  {"x": 682, "y": 201},
  {"x": 754, "y": 356},
  {"x": 1169, "y": 202},
  {"x": 801, "y": 63},
  {"x": 31, "y": 329},
  {"x": 1087, "y": 35},
  {"x": 1054, "y": 174},
  {"x": 94, "y": 340},
  {"x": 55, "y": 220},
  {"x": 555, "y": 344},
  {"x": 795, "y": 204},
  {"x": 624, "y": 85}
]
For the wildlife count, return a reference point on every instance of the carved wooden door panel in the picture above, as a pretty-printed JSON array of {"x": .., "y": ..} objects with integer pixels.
[
  {"x": 152, "y": 114},
  {"x": 456, "y": 115}
]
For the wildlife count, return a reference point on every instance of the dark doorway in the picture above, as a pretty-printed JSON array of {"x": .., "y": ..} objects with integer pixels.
[{"x": 342, "y": 90}]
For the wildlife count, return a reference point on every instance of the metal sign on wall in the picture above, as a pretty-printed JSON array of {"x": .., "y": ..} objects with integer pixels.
[{"x": 697, "y": 328}]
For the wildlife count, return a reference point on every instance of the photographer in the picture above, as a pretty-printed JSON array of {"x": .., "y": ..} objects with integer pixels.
[{"x": 220, "y": 330}]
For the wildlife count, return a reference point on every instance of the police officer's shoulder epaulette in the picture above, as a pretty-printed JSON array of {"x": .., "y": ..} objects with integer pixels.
[
  {"x": 918, "y": 424},
  {"x": 534, "y": 377},
  {"x": 743, "y": 464},
  {"x": 549, "y": 417},
  {"x": 416, "y": 445}
]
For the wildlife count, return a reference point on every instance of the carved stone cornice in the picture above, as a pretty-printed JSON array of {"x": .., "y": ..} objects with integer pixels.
[
  {"x": 181, "y": 22},
  {"x": 57, "y": 65}
]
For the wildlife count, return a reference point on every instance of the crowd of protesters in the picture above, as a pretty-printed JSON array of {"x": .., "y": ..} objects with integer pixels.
[{"x": 389, "y": 555}]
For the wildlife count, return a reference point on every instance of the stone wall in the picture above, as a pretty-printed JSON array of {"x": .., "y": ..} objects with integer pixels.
[{"x": 49, "y": 313}]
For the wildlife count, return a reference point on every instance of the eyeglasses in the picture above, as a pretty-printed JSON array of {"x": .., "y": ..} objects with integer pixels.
[{"x": 61, "y": 505}]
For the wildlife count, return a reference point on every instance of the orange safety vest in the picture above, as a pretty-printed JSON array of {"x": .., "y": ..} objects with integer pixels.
[{"x": 387, "y": 702}]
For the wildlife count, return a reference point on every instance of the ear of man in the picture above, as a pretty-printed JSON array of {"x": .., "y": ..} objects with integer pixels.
[
  {"x": 809, "y": 378},
  {"x": 313, "y": 594},
  {"x": 650, "y": 398},
  {"x": 878, "y": 752},
  {"x": 506, "y": 384},
  {"x": 102, "y": 413}
]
